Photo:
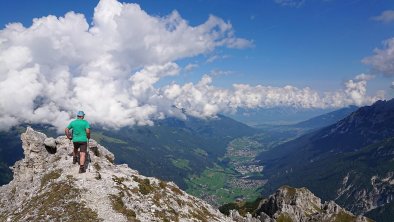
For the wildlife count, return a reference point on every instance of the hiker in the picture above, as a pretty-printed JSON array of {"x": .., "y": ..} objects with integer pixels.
[{"x": 80, "y": 137}]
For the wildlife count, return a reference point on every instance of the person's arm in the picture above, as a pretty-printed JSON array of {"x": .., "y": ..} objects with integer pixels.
[
  {"x": 88, "y": 133},
  {"x": 67, "y": 131}
]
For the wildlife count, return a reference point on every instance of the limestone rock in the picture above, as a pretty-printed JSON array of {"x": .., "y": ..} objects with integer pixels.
[
  {"x": 297, "y": 205},
  {"x": 50, "y": 142},
  {"x": 48, "y": 187},
  {"x": 300, "y": 204}
]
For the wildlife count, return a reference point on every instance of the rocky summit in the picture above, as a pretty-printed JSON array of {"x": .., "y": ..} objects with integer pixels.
[
  {"x": 292, "y": 204},
  {"x": 295, "y": 204},
  {"x": 48, "y": 187}
]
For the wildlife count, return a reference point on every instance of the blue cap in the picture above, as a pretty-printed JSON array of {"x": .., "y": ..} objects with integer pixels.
[{"x": 80, "y": 113}]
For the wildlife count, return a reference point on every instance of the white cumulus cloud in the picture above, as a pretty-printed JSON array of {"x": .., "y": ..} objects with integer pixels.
[
  {"x": 110, "y": 69},
  {"x": 189, "y": 67},
  {"x": 204, "y": 99},
  {"x": 383, "y": 59}
]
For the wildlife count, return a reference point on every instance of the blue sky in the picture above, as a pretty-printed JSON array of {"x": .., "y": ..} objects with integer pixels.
[
  {"x": 325, "y": 45},
  {"x": 316, "y": 43}
]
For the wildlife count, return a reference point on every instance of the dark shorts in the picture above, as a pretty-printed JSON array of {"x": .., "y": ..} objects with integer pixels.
[{"x": 81, "y": 145}]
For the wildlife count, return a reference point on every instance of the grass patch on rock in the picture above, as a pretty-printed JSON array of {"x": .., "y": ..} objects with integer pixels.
[
  {"x": 176, "y": 190},
  {"x": 144, "y": 185},
  {"x": 167, "y": 215},
  {"x": 283, "y": 217},
  {"x": 97, "y": 166},
  {"x": 111, "y": 160},
  {"x": 344, "y": 217},
  {"x": 290, "y": 191},
  {"x": 53, "y": 175},
  {"x": 119, "y": 206},
  {"x": 162, "y": 184},
  {"x": 201, "y": 215},
  {"x": 61, "y": 197}
]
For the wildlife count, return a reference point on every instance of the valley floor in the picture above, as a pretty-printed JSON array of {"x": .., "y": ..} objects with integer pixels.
[{"x": 237, "y": 176}]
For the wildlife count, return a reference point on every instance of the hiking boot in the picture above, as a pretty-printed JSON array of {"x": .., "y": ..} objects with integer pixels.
[
  {"x": 75, "y": 160},
  {"x": 82, "y": 169}
]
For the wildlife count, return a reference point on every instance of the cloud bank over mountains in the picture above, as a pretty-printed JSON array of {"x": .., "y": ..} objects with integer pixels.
[{"x": 109, "y": 69}]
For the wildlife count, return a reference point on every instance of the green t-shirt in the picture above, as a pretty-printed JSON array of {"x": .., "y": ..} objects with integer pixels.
[{"x": 79, "y": 127}]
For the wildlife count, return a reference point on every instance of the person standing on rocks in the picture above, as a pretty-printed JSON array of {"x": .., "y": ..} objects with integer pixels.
[{"x": 80, "y": 137}]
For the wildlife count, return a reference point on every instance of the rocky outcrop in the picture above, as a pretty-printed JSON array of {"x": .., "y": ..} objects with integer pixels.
[
  {"x": 48, "y": 187},
  {"x": 297, "y": 205},
  {"x": 377, "y": 193}
]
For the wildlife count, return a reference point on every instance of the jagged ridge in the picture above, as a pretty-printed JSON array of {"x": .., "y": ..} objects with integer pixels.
[
  {"x": 47, "y": 187},
  {"x": 295, "y": 204}
]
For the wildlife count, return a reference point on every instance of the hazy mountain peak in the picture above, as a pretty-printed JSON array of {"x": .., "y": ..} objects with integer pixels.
[{"x": 327, "y": 118}]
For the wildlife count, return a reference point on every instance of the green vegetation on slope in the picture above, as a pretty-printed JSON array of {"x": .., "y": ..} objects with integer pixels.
[
  {"x": 100, "y": 137},
  {"x": 181, "y": 163},
  {"x": 242, "y": 207},
  {"x": 215, "y": 186},
  {"x": 173, "y": 149}
]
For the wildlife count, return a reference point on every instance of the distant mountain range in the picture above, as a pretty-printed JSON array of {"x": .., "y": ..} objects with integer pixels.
[
  {"x": 350, "y": 161},
  {"x": 276, "y": 115},
  {"x": 312, "y": 124},
  {"x": 326, "y": 119}
]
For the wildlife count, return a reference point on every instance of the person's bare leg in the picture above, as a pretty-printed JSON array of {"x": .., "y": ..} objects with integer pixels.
[
  {"x": 82, "y": 158},
  {"x": 75, "y": 154}
]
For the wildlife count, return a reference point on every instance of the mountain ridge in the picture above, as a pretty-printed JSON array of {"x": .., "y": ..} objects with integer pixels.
[
  {"x": 47, "y": 187},
  {"x": 341, "y": 161},
  {"x": 327, "y": 118},
  {"x": 46, "y": 183},
  {"x": 292, "y": 204}
]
